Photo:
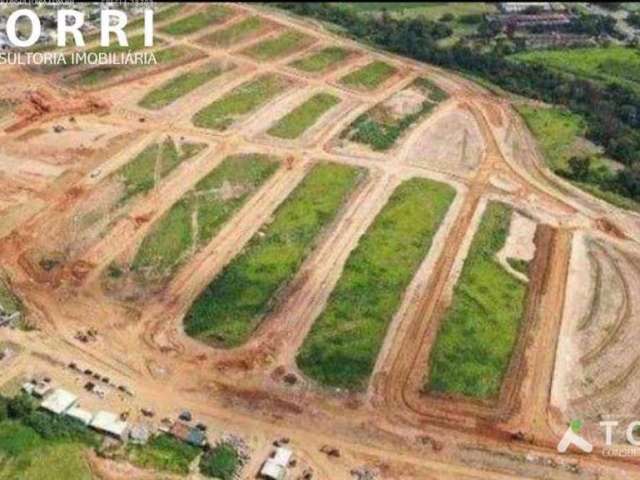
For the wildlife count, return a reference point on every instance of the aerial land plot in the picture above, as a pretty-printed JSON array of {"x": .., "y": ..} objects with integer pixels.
[
  {"x": 284, "y": 44},
  {"x": 183, "y": 84},
  {"x": 237, "y": 33},
  {"x": 163, "y": 453},
  {"x": 561, "y": 136},
  {"x": 6, "y": 107},
  {"x": 619, "y": 65},
  {"x": 304, "y": 116},
  {"x": 322, "y": 60},
  {"x": 232, "y": 306},
  {"x": 344, "y": 342},
  {"x": 370, "y": 76},
  {"x": 473, "y": 348},
  {"x": 211, "y": 15},
  {"x": 242, "y": 100},
  {"x": 101, "y": 76},
  {"x": 159, "y": 17},
  {"x": 198, "y": 216},
  {"x": 381, "y": 126}
]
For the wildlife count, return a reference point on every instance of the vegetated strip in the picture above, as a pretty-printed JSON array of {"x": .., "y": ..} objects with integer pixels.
[
  {"x": 243, "y": 99},
  {"x": 321, "y": 60},
  {"x": 163, "y": 453},
  {"x": 473, "y": 348},
  {"x": 369, "y": 76},
  {"x": 158, "y": 17},
  {"x": 293, "y": 124},
  {"x": 212, "y": 201},
  {"x": 342, "y": 347},
  {"x": 234, "y": 34},
  {"x": 380, "y": 127},
  {"x": 181, "y": 85},
  {"x": 100, "y": 75},
  {"x": 232, "y": 306},
  {"x": 211, "y": 15},
  {"x": 284, "y": 44}
]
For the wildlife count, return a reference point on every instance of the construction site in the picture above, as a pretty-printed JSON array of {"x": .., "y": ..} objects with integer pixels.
[{"x": 314, "y": 240}]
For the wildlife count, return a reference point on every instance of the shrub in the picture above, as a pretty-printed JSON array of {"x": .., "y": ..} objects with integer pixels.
[{"x": 220, "y": 462}]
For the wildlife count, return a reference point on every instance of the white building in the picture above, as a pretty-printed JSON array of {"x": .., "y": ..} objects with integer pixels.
[
  {"x": 275, "y": 468},
  {"x": 79, "y": 414},
  {"x": 59, "y": 401},
  {"x": 519, "y": 7},
  {"x": 108, "y": 422}
]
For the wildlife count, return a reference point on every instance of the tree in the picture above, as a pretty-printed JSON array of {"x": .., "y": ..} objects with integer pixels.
[
  {"x": 579, "y": 168},
  {"x": 20, "y": 406}
]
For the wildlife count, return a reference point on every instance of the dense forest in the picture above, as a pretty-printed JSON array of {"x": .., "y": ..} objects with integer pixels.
[{"x": 612, "y": 111}]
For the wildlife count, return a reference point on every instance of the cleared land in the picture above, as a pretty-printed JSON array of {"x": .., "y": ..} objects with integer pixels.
[
  {"x": 236, "y": 33},
  {"x": 613, "y": 64},
  {"x": 242, "y": 100},
  {"x": 381, "y": 126},
  {"x": 370, "y": 76},
  {"x": 321, "y": 60},
  {"x": 476, "y": 339},
  {"x": 182, "y": 85},
  {"x": 560, "y": 135},
  {"x": 232, "y": 306},
  {"x": 342, "y": 347},
  {"x": 195, "y": 219},
  {"x": 211, "y": 15},
  {"x": 284, "y": 44},
  {"x": 304, "y": 116}
]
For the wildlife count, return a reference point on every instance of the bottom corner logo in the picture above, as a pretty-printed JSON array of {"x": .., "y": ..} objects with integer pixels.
[{"x": 571, "y": 437}]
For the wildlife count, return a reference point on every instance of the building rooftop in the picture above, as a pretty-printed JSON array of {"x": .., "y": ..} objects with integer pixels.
[
  {"x": 59, "y": 401},
  {"x": 109, "y": 423},
  {"x": 273, "y": 470},
  {"x": 79, "y": 414}
]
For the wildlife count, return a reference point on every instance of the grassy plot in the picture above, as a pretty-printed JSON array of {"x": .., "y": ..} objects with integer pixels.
[
  {"x": 560, "y": 135},
  {"x": 381, "y": 126},
  {"x": 613, "y": 64},
  {"x": 139, "y": 175},
  {"x": 342, "y": 347},
  {"x": 223, "y": 461},
  {"x": 98, "y": 76},
  {"x": 211, "y": 15},
  {"x": 207, "y": 206},
  {"x": 369, "y": 76},
  {"x": 160, "y": 16},
  {"x": 181, "y": 85},
  {"x": 235, "y": 33},
  {"x": 284, "y": 44},
  {"x": 321, "y": 60},
  {"x": 302, "y": 117},
  {"x": 232, "y": 306},
  {"x": 8, "y": 301},
  {"x": 479, "y": 331},
  {"x": 242, "y": 100},
  {"x": 163, "y": 453}
]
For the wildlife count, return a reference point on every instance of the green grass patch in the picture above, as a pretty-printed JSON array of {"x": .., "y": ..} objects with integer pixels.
[
  {"x": 380, "y": 128},
  {"x": 163, "y": 453},
  {"x": 519, "y": 265},
  {"x": 139, "y": 175},
  {"x": 181, "y": 85},
  {"x": 8, "y": 300},
  {"x": 231, "y": 307},
  {"x": 369, "y": 76},
  {"x": 212, "y": 201},
  {"x": 612, "y": 64},
  {"x": 479, "y": 331},
  {"x": 342, "y": 347},
  {"x": 284, "y": 44},
  {"x": 302, "y": 117},
  {"x": 234, "y": 34},
  {"x": 211, "y": 15},
  {"x": 222, "y": 462},
  {"x": 321, "y": 60},
  {"x": 161, "y": 16},
  {"x": 242, "y": 100},
  {"x": 560, "y": 135}
]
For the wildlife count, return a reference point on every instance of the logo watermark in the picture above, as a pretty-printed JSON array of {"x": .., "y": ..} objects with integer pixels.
[{"x": 573, "y": 438}]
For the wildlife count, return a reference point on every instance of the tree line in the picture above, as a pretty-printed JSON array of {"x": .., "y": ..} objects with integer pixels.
[{"x": 611, "y": 110}]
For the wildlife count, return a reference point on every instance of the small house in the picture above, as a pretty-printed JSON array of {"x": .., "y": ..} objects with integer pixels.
[
  {"x": 109, "y": 423},
  {"x": 59, "y": 401}
]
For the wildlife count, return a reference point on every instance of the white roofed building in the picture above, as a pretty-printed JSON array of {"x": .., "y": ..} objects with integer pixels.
[
  {"x": 109, "y": 423},
  {"x": 79, "y": 414},
  {"x": 59, "y": 401}
]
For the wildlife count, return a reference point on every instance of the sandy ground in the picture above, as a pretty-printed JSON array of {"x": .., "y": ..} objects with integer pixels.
[{"x": 474, "y": 141}]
